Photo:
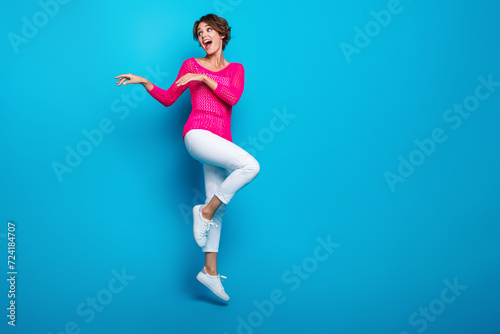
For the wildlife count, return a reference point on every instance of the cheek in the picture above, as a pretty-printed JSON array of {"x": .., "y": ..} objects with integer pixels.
[{"x": 215, "y": 37}]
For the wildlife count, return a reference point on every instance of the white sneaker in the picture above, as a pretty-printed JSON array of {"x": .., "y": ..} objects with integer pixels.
[
  {"x": 214, "y": 283},
  {"x": 200, "y": 226}
]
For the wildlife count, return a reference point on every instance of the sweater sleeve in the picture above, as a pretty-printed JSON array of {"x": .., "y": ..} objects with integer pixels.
[
  {"x": 232, "y": 93},
  {"x": 169, "y": 96}
]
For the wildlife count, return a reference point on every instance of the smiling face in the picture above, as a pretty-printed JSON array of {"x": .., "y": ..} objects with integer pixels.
[{"x": 209, "y": 38}]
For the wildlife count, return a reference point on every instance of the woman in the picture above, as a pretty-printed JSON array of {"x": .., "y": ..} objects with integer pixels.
[{"x": 215, "y": 85}]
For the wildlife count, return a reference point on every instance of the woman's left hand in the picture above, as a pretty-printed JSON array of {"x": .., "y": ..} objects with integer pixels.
[{"x": 190, "y": 77}]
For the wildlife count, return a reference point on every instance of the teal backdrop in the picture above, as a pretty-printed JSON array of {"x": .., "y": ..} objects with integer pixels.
[{"x": 376, "y": 209}]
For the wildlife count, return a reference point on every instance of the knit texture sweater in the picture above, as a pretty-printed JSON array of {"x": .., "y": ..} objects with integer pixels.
[{"x": 211, "y": 108}]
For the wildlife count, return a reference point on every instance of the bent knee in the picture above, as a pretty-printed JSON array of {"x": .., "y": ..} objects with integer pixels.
[{"x": 253, "y": 167}]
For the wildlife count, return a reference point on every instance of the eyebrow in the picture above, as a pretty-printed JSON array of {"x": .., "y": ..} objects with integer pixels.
[{"x": 206, "y": 25}]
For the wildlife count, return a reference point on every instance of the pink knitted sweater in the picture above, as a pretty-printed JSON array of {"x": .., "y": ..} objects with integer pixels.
[{"x": 211, "y": 108}]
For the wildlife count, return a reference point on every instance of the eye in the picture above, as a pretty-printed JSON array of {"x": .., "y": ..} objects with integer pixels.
[{"x": 209, "y": 29}]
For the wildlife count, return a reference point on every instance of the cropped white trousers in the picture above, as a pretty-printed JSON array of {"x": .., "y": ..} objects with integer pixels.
[{"x": 227, "y": 168}]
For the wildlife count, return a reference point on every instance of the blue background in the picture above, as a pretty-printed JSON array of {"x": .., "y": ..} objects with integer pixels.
[{"x": 351, "y": 117}]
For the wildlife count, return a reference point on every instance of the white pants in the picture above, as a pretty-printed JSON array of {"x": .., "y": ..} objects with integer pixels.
[{"x": 227, "y": 168}]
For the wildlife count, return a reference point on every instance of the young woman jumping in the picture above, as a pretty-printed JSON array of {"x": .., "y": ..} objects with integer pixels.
[{"x": 216, "y": 86}]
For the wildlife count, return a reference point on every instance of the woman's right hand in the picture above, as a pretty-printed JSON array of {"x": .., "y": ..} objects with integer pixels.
[{"x": 132, "y": 79}]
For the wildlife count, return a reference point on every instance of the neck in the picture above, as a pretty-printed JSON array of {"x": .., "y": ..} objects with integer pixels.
[{"x": 217, "y": 59}]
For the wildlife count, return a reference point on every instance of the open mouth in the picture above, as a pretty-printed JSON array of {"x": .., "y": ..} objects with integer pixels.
[{"x": 207, "y": 43}]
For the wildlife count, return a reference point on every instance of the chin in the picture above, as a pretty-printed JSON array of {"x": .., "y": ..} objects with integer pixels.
[{"x": 211, "y": 52}]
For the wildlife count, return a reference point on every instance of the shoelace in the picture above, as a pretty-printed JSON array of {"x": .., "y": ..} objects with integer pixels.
[
  {"x": 206, "y": 227},
  {"x": 220, "y": 281}
]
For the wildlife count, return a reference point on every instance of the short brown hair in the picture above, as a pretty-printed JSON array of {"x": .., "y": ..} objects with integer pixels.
[{"x": 219, "y": 24}]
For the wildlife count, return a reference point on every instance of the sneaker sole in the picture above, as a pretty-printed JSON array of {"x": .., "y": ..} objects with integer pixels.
[{"x": 201, "y": 279}]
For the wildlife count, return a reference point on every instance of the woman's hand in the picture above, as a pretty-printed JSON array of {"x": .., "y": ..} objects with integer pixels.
[
  {"x": 197, "y": 77},
  {"x": 190, "y": 77},
  {"x": 133, "y": 79}
]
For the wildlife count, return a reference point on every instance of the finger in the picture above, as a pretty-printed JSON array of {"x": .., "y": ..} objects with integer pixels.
[
  {"x": 185, "y": 79},
  {"x": 120, "y": 76}
]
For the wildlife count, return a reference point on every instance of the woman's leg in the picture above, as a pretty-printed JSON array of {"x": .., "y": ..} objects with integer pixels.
[
  {"x": 208, "y": 210},
  {"x": 209, "y": 148},
  {"x": 214, "y": 176},
  {"x": 213, "y": 150},
  {"x": 211, "y": 263}
]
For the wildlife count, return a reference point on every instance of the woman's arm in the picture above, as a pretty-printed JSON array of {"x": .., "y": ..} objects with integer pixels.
[
  {"x": 148, "y": 85},
  {"x": 232, "y": 93},
  {"x": 169, "y": 96},
  {"x": 212, "y": 84},
  {"x": 165, "y": 97}
]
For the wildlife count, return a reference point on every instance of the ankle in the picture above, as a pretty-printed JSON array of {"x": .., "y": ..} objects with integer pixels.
[
  {"x": 206, "y": 214},
  {"x": 211, "y": 271}
]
